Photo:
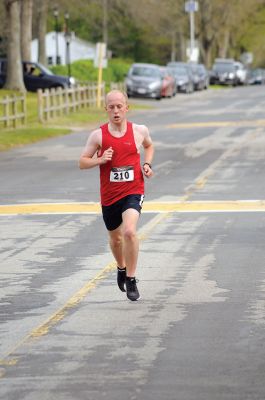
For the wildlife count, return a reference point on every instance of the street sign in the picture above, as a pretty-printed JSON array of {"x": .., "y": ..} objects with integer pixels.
[
  {"x": 246, "y": 58},
  {"x": 193, "y": 52},
  {"x": 191, "y": 6},
  {"x": 100, "y": 60}
]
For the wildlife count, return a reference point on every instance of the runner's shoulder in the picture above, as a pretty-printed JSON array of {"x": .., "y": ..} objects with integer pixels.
[
  {"x": 96, "y": 134},
  {"x": 141, "y": 129}
]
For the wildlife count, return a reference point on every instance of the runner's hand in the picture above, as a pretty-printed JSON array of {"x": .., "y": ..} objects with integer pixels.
[
  {"x": 107, "y": 155},
  {"x": 148, "y": 172}
]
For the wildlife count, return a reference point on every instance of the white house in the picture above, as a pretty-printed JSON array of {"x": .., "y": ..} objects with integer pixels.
[{"x": 56, "y": 45}]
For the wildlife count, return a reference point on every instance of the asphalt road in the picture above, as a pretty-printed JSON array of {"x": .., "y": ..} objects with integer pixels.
[{"x": 68, "y": 333}]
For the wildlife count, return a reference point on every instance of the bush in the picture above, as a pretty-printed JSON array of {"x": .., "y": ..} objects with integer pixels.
[{"x": 84, "y": 70}]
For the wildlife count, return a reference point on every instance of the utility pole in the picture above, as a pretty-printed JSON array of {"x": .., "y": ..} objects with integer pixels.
[
  {"x": 67, "y": 35},
  {"x": 56, "y": 28},
  {"x": 191, "y": 7}
]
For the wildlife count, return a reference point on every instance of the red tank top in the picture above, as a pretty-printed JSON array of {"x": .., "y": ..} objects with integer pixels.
[{"x": 112, "y": 186}]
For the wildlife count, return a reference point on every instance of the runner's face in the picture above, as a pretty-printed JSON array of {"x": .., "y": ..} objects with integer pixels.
[{"x": 116, "y": 108}]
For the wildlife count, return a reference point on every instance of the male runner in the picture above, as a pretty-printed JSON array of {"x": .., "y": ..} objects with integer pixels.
[{"x": 115, "y": 148}]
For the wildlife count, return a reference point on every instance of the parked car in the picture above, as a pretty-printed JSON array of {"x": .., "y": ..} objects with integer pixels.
[
  {"x": 183, "y": 76},
  {"x": 241, "y": 73},
  {"x": 37, "y": 76},
  {"x": 169, "y": 87},
  {"x": 256, "y": 76},
  {"x": 204, "y": 77},
  {"x": 197, "y": 84},
  {"x": 224, "y": 72},
  {"x": 144, "y": 80}
]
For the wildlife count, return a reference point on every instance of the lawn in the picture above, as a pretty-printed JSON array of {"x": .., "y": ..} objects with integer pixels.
[{"x": 34, "y": 131}]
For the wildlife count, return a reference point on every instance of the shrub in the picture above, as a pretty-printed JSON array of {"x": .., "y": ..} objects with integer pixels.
[{"x": 84, "y": 70}]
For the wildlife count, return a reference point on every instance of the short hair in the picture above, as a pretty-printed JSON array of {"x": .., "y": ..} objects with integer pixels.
[{"x": 124, "y": 94}]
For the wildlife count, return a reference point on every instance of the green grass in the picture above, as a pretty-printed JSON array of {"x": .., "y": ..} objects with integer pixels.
[
  {"x": 10, "y": 138},
  {"x": 80, "y": 118},
  {"x": 84, "y": 70},
  {"x": 34, "y": 131},
  {"x": 219, "y": 86}
]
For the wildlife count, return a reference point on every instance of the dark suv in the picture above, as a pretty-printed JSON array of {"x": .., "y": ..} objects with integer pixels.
[{"x": 37, "y": 76}]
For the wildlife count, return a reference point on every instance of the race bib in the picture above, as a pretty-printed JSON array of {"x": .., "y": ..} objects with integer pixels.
[{"x": 122, "y": 174}]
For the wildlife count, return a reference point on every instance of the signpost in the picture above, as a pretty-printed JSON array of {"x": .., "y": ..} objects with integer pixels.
[
  {"x": 100, "y": 62},
  {"x": 191, "y": 7},
  {"x": 247, "y": 58}
]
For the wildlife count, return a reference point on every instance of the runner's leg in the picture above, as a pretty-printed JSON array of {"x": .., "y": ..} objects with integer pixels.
[
  {"x": 130, "y": 218},
  {"x": 116, "y": 245}
]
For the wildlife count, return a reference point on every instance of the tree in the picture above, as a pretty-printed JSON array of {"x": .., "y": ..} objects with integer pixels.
[
  {"x": 14, "y": 79},
  {"x": 42, "y": 14},
  {"x": 26, "y": 29},
  {"x": 219, "y": 25},
  {"x": 105, "y": 22}
]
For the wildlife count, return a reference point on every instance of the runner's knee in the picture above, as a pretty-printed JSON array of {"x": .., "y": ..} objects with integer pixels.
[
  {"x": 116, "y": 241},
  {"x": 129, "y": 233}
]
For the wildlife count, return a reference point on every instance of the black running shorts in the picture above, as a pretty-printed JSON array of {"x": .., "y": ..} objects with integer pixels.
[{"x": 112, "y": 215}]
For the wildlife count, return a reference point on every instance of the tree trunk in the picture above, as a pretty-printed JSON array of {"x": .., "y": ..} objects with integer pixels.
[
  {"x": 208, "y": 58},
  {"x": 224, "y": 49},
  {"x": 105, "y": 22},
  {"x": 42, "y": 30},
  {"x": 26, "y": 29},
  {"x": 206, "y": 51},
  {"x": 14, "y": 80},
  {"x": 173, "y": 45},
  {"x": 181, "y": 46}
]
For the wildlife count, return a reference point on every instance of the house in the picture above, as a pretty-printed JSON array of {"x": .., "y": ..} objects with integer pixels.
[{"x": 56, "y": 45}]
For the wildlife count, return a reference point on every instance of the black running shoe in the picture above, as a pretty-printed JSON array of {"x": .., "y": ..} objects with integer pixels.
[
  {"x": 121, "y": 278},
  {"x": 131, "y": 288}
]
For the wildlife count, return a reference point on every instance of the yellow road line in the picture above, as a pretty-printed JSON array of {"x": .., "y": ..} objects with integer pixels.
[
  {"x": 205, "y": 206},
  {"x": 50, "y": 208},
  {"x": 44, "y": 328},
  {"x": 213, "y": 124},
  {"x": 149, "y": 206}
]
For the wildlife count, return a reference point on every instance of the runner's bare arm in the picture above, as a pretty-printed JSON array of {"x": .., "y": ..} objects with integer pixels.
[
  {"x": 148, "y": 150},
  {"x": 87, "y": 159}
]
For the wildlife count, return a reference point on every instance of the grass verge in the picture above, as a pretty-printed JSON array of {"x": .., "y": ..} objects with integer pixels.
[{"x": 10, "y": 138}]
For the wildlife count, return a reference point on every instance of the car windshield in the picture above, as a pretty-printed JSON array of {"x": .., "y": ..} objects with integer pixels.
[
  {"x": 44, "y": 69},
  {"x": 224, "y": 67},
  {"x": 201, "y": 69},
  {"x": 256, "y": 72},
  {"x": 146, "y": 71},
  {"x": 180, "y": 71},
  {"x": 164, "y": 72}
]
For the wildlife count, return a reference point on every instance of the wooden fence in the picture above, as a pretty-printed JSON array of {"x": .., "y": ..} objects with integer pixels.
[
  {"x": 56, "y": 102},
  {"x": 13, "y": 110}
]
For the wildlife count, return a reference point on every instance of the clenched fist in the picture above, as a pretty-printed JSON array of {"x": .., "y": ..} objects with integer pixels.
[{"x": 107, "y": 155}]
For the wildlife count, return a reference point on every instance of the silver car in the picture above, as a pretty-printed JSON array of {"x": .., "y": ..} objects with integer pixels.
[
  {"x": 183, "y": 76},
  {"x": 144, "y": 80}
]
